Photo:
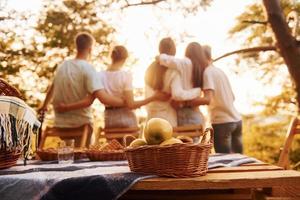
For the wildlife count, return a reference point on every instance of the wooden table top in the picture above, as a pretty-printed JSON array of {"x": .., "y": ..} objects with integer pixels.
[{"x": 246, "y": 176}]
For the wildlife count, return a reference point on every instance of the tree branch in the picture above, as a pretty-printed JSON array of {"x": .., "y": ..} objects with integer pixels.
[
  {"x": 255, "y": 22},
  {"x": 142, "y": 3},
  {"x": 247, "y": 50}
]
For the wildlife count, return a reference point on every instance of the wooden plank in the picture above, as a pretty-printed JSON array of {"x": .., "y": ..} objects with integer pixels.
[
  {"x": 256, "y": 164},
  {"x": 259, "y": 179},
  {"x": 186, "y": 195},
  {"x": 245, "y": 168}
]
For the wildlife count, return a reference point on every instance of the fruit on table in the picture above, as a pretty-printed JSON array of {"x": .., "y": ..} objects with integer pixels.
[
  {"x": 171, "y": 141},
  {"x": 138, "y": 142},
  {"x": 157, "y": 130},
  {"x": 185, "y": 139}
]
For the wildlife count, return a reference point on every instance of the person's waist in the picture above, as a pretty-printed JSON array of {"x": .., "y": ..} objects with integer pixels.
[{"x": 114, "y": 107}]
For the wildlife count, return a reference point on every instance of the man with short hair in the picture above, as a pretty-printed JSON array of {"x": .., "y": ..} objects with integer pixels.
[
  {"x": 219, "y": 97},
  {"x": 74, "y": 79}
]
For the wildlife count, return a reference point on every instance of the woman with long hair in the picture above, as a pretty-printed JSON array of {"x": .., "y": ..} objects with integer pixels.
[
  {"x": 191, "y": 70},
  {"x": 159, "y": 77}
]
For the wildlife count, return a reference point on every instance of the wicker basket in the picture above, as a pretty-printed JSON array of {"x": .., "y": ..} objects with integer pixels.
[
  {"x": 177, "y": 160},
  {"x": 95, "y": 155},
  {"x": 8, "y": 158}
]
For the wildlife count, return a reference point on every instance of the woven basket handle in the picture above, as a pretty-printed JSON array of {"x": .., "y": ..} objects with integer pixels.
[
  {"x": 209, "y": 132},
  {"x": 127, "y": 139}
]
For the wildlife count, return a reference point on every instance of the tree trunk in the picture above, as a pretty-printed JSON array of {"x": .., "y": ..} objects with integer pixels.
[{"x": 287, "y": 44}]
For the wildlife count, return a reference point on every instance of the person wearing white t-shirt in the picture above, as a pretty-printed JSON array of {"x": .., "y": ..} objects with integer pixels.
[
  {"x": 117, "y": 82},
  {"x": 190, "y": 69},
  {"x": 75, "y": 79},
  {"x": 225, "y": 119},
  {"x": 159, "y": 77}
]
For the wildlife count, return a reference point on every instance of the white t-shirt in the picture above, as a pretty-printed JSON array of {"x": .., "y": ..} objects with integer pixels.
[
  {"x": 221, "y": 108},
  {"x": 116, "y": 82},
  {"x": 172, "y": 84},
  {"x": 74, "y": 79}
]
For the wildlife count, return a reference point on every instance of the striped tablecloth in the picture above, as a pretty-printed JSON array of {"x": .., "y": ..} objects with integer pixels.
[{"x": 83, "y": 179}]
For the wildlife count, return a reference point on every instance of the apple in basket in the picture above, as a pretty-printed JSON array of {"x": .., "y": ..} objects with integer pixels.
[
  {"x": 138, "y": 142},
  {"x": 171, "y": 141},
  {"x": 157, "y": 130}
]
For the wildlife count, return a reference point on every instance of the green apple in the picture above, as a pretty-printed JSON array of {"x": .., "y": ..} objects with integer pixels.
[
  {"x": 138, "y": 142},
  {"x": 171, "y": 141},
  {"x": 157, "y": 130}
]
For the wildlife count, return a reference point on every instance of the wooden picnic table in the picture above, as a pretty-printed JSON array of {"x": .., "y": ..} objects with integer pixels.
[{"x": 250, "y": 181}]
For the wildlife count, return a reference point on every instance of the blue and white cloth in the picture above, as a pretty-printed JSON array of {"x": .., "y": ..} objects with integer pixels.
[{"x": 83, "y": 180}]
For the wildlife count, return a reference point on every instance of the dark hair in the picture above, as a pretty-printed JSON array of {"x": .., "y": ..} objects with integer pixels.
[
  {"x": 119, "y": 53},
  {"x": 155, "y": 73},
  {"x": 83, "y": 41},
  {"x": 195, "y": 53}
]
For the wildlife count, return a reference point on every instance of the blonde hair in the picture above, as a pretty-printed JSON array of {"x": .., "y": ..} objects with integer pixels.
[
  {"x": 155, "y": 73},
  {"x": 83, "y": 41},
  {"x": 207, "y": 51}
]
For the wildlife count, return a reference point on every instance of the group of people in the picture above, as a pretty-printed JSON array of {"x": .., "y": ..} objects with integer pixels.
[{"x": 174, "y": 90}]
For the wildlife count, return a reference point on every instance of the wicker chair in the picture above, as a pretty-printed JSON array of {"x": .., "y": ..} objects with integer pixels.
[
  {"x": 8, "y": 158},
  {"x": 83, "y": 133},
  {"x": 293, "y": 130},
  {"x": 118, "y": 133}
]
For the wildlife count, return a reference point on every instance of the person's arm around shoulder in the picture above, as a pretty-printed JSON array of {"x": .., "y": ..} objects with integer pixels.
[
  {"x": 172, "y": 62},
  {"x": 180, "y": 94}
]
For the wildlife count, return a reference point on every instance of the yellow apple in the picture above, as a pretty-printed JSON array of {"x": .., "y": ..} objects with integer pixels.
[
  {"x": 185, "y": 139},
  {"x": 157, "y": 130},
  {"x": 171, "y": 141},
  {"x": 138, "y": 142}
]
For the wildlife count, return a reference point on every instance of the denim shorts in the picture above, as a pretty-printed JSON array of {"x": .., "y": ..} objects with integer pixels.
[
  {"x": 119, "y": 118},
  {"x": 189, "y": 116}
]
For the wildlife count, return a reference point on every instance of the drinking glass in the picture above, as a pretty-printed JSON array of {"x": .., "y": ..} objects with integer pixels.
[{"x": 65, "y": 152}]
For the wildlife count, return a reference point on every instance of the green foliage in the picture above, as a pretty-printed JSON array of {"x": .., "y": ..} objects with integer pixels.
[
  {"x": 269, "y": 66},
  {"x": 264, "y": 140},
  {"x": 32, "y": 45}
]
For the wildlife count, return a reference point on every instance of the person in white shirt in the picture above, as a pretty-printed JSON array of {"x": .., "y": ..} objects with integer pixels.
[
  {"x": 117, "y": 82},
  {"x": 75, "y": 79},
  {"x": 190, "y": 69},
  {"x": 159, "y": 77},
  {"x": 225, "y": 119}
]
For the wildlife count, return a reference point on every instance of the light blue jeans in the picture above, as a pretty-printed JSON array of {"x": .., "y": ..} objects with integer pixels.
[
  {"x": 119, "y": 118},
  {"x": 189, "y": 116}
]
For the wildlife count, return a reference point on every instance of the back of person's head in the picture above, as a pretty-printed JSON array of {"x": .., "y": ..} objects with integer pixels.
[
  {"x": 119, "y": 54},
  {"x": 195, "y": 53},
  {"x": 167, "y": 46},
  {"x": 83, "y": 41},
  {"x": 155, "y": 73},
  {"x": 207, "y": 52}
]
